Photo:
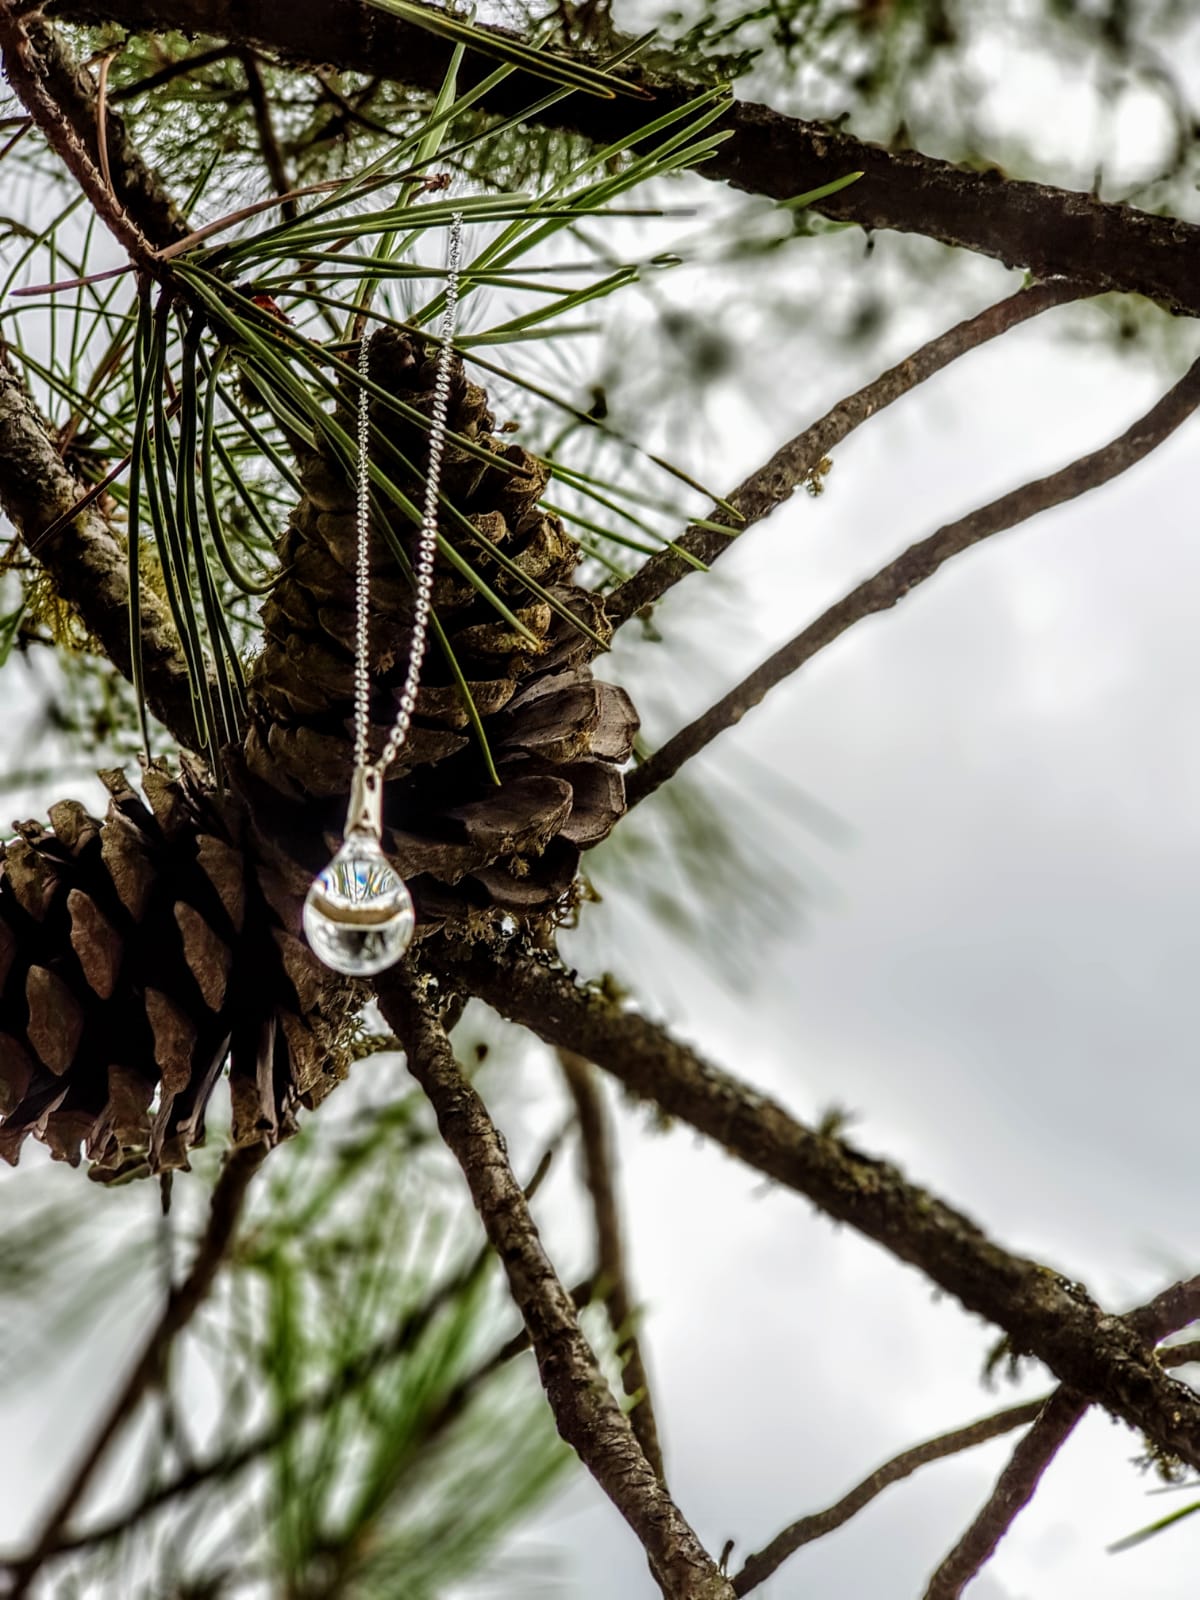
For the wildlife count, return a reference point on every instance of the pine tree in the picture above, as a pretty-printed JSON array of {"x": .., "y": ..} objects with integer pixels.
[{"x": 178, "y": 466}]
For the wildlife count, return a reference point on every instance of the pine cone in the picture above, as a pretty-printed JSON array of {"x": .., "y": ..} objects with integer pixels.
[
  {"x": 137, "y": 955},
  {"x": 140, "y": 953},
  {"x": 558, "y": 737}
]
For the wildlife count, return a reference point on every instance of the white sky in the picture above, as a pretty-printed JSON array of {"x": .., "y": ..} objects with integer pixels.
[{"x": 999, "y": 984}]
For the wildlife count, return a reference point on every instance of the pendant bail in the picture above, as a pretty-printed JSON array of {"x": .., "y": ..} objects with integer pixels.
[{"x": 366, "y": 803}]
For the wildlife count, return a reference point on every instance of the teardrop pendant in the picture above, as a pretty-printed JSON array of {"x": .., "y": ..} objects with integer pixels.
[{"x": 358, "y": 915}]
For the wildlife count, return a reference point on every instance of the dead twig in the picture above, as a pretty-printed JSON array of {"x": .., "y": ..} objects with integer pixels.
[
  {"x": 595, "y": 1134},
  {"x": 1014, "y": 1489},
  {"x": 1175, "y": 1307},
  {"x": 794, "y": 463},
  {"x": 920, "y": 561},
  {"x": 759, "y": 1567}
]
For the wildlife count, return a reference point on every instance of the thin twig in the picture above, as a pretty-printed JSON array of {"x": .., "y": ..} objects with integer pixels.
[
  {"x": 225, "y": 1209},
  {"x": 595, "y": 1135},
  {"x": 1180, "y": 1355},
  {"x": 276, "y": 165},
  {"x": 759, "y": 1567},
  {"x": 795, "y": 462},
  {"x": 24, "y": 69},
  {"x": 585, "y": 1410},
  {"x": 1014, "y": 1489},
  {"x": 1045, "y": 1314},
  {"x": 1174, "y": 1308},
  {"x": 920, "y": 561},
  {"x": 183, "y": 67},
  {"x": 268, "y": 143},
  {"x": 348, "y": 111},
  {"x": 1169, "y": 1312},
  {"x": 765, "y": 1562}
]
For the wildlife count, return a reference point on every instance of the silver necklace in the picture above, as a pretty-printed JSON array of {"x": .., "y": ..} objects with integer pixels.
[{"x": 358, "y": 915}]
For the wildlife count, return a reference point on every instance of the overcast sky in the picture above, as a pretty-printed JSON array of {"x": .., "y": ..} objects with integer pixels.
[{"x": 997, "y": 976}]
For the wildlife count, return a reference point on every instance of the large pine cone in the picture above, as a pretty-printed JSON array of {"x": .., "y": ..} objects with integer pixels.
[
  {"x": 558, "y": 737},
  {"x": 137, "y": 955},
  {"x": 140, "y": 953}
]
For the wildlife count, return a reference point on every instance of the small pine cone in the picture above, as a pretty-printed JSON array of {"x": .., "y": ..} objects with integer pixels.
[
  {"x": 557, "y": 736},
  {"x": 137, "y": 955}
]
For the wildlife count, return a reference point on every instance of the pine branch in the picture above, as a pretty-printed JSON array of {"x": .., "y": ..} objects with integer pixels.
[
  {"x": 1054, "y": 233},
  {"x": 225, "y": 1209},
  {"x": 585, "y": 1410},
  {"x": 1014, "y": 1489},
  {"x": 595, "y": 1135},
  {"x": 87, "y": 560},
  {"x": 776, "y": 481},
  {"x": 232, "y": 1462},
  {"x": 765, "y": 1562},
  {"x": 84, "y": 556},
  {"x": 920, "y": 561},
  {"x": 141, "y": 192},
  {"x": 1060, "y": 1414},
  {"x": 36, "y": 68},
  {"x": 1102, "y": 1356}
]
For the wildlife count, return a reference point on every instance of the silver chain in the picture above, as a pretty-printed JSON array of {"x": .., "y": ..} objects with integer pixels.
[{"x": 427, "y": 544}]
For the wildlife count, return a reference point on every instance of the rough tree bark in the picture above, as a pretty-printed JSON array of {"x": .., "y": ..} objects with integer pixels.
[{"x": 1052, "y": 232}]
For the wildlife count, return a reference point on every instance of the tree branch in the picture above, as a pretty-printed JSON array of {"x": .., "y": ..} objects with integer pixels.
[
  {"x": 225, "y": 1208},
  {"x": 1044, "y": 1314},
  {"x": 1059, "y": 1416},
  {"x": 1051, "y": 232},
  {"x": 760, "y": 1566},
  {"x": 141, "y": 192},
  {"x": 1014, "y": 1489},
  {"x": 775, "y": 482},
  {"x": 268, "y": 141},
  {"x": 85, "y": 557},
  {"x": 52, "y": 90},
  {"x": 587, "y": 1415},
  {"x": 87, "y": 560},
  {"x": 920, "y": 561},
  {"x": 595, "y": 1135}
]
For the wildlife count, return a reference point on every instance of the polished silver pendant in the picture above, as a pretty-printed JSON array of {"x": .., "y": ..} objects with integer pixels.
[{"x": 358, "y": 914}]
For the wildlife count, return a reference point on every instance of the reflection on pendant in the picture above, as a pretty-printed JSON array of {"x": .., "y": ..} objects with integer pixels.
[{"x": 358, "y": 916}]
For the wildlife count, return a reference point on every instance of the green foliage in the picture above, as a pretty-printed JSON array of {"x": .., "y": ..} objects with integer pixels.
[
  {"x": 1159, "y": 1525},
  {"x": 205, "y": 473},
  {"x": 368, "y": 1430}
]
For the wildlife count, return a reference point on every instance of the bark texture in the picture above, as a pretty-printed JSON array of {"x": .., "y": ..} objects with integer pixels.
[
  {"x": 87, "y": 559},
  {"x": 585, "y": 1409},
  {"x": 1049, "y": 231},
  {"x": 1104, "y": 1357}
]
